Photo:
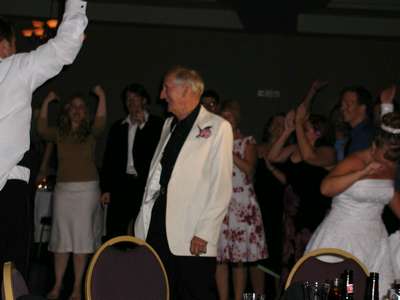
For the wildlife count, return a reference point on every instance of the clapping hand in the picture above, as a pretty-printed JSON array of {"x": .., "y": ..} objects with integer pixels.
[
  {"x": 289, "y": 121},
  {"x": 373, "y": 168}
]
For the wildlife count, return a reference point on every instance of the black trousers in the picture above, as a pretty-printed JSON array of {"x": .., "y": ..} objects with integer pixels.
[
  {"x": 15, "y": 229},
  {"x": 190, "y": 277},
  {"x": 124, "y": 206}
]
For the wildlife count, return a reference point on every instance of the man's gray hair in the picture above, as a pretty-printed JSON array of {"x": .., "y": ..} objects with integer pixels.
[{"x": 188, "y": 76}]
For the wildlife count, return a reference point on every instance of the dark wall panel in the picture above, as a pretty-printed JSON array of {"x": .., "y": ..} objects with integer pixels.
[{"x": 236, "y": 64}]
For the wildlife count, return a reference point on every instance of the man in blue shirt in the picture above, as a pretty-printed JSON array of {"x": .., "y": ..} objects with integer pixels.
[{"x": 356, "y": 107}]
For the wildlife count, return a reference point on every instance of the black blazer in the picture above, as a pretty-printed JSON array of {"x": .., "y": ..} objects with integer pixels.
[{"x": 116, "y": 156}]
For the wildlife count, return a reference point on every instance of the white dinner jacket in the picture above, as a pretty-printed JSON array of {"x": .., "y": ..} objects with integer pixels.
[{"x": 200, "y": 186}]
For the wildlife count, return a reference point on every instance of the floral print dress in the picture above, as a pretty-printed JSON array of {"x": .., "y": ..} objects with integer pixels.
[{"x": 242, "y": 237}]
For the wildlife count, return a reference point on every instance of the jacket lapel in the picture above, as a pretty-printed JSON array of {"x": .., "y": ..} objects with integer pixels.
[{"x": 165, "y": 134}]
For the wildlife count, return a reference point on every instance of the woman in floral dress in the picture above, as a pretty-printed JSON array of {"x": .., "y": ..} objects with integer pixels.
[{"x": 242, "y": 238}]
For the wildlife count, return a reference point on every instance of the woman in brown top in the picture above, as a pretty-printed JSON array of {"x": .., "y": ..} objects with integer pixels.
[{"x": 77, "y": 218}]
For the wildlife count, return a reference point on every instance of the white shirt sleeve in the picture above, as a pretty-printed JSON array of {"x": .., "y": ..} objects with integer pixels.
[
  {"x": 386, "y": 108},
  {"x": 47, "y": 60},
  {"x": 22, "y": 73}
]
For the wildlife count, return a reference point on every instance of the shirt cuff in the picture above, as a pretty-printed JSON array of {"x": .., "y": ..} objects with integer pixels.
[
  {"x": 73, "y": 6},
  {"x": 386, "y": 108}
]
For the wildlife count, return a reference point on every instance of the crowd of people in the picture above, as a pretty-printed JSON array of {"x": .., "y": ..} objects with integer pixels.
[{"x": 203, "y": 194}]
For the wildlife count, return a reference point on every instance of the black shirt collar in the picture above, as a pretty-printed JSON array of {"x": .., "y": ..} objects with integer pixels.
[{"x": 188, "y": 121}]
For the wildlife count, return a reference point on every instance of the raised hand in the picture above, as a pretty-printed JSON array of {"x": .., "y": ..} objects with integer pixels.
[
  {"x": 51, "y": 96},
  {"x": 99, "y": 91},
  {"x": 318, "y": 84},
  {"x": 315, "y": 87},
  {"x": 387, "y": 95}
]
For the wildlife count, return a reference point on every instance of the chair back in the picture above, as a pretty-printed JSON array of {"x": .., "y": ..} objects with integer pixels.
[
  {"x": 124, "y": 268},
  {"x": 311, "y": 268},
  {"x": 14, "y": 284}
]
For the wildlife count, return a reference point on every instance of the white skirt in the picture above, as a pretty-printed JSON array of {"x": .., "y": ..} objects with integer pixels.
[{"x": 77, "y": 218}]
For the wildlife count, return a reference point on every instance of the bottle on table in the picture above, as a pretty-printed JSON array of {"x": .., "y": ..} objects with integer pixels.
[
  {"x": 348, "y": 285},
  {"x": 334, "y": 292},
  {"x": 395, "y": 291},
  {"x": 372, "y": 292}
]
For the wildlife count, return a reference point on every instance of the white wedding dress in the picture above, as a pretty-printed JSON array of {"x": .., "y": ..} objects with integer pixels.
[{"x": 354, "y": 224}]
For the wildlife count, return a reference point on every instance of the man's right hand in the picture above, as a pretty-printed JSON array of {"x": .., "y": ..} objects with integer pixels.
[
  {"x": 51, "y": 96},
  {"x": 105, "y": 198}
]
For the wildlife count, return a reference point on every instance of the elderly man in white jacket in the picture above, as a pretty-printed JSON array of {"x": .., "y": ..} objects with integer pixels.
[
  {"x": 20, "y": 75},
  {"x": 188, "y": 188}
]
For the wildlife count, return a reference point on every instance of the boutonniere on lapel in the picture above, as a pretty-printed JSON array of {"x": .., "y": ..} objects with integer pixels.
[{"x": 204, "y": 132}]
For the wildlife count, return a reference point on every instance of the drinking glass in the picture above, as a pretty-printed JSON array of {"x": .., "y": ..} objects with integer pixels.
[
  {"x": 253, "y": 296},
  {"x": 316, "y": 290}
]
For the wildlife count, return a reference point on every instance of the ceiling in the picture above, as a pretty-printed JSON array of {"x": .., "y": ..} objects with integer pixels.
[
  {"x": 216, "y": 4},
  {"x": 376, "y": 18}
]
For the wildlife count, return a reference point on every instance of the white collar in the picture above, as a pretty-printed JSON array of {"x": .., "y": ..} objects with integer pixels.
[{"x": 128, "y": 120}]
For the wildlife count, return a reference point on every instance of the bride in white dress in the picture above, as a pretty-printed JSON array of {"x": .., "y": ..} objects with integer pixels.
[{"x": 362, "y": 185}]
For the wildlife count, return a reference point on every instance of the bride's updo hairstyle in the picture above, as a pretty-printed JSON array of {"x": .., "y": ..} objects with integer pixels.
[{"x": 389, "y": 135}]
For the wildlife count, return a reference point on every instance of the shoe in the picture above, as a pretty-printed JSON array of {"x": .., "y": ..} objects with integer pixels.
[
  {"x": 53, "y": 296},
  {"x": 75, "y": 297}
]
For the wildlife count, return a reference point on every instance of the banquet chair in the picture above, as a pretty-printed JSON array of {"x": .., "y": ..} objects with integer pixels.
[
  {"x": 125, "y": 268},
  {"x": 311, "y": 268},
  {"x": 14, "y": 285}
]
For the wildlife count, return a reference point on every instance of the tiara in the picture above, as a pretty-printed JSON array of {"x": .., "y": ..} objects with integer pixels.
[{"x": 390, "y": 129}]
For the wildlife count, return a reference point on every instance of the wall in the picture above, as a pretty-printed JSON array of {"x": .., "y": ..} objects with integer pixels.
[{"x": 236, "y": 64}]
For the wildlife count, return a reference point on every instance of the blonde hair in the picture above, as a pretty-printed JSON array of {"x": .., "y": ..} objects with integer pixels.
[{"x": 187, "y": 76}]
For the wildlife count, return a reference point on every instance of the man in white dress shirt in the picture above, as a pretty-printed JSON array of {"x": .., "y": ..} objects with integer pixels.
[
  {"x": 20, "y": 75},
  {"x": 130, "y": 147}
]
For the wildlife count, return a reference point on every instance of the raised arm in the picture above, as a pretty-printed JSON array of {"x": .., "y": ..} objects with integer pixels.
[
  {"x": 346, "y": 173},
  {"x": 101, "y": 112},
  {"x": 322, "y": 156},
  {"x": 248, "y": 162},
  {"x": 386, "y": 98},
  {"x": 46, "y": 132},
  {"x": 278, "y": 174},
  {"x": 315, "y": 87},
  {"x": 278, "y": 151},
  {"x": 47, "y": 60}
]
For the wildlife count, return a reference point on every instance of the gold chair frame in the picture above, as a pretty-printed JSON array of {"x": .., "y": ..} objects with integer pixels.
[
  {"x": 7, "y": 280},
  {"x": 324, "y": 251},
  {"x": 118, "y": 239}
]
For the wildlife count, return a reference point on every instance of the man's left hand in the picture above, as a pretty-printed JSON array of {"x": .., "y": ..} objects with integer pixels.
[{"x": 198, "y": 246}]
